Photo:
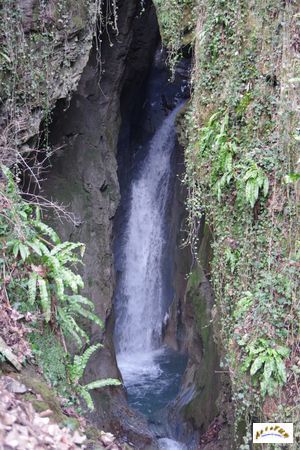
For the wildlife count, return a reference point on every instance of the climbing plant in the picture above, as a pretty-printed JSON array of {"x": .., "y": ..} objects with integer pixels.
[
  {"x": 177, "y": 21},
  {"x": 241, "y": 140}
]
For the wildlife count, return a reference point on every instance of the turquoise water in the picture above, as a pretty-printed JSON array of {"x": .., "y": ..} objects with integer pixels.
[{"x": 153, "y": 390}]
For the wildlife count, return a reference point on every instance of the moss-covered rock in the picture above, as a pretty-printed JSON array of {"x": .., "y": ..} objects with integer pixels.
[
  {"x": 201, "y": 378},
  {"x": 43, "y": 54},
  {"x": 242, "y": 168}
]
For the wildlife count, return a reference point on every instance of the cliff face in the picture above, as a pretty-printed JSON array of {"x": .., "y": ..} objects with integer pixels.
[
  {"x": 44, "y": 49},
  {"x": 51, "y": 56},
  {"x": 241, "y": 144},
  {"x": 241, "y": 139},
  {"x": 84, "y": 176},
  {"x": 84, "y": 173}
]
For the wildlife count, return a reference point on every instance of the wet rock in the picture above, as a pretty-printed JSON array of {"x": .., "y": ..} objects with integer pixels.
[
  {"x": 70, "y": 54},
  {"x": 84, "y": 177}
]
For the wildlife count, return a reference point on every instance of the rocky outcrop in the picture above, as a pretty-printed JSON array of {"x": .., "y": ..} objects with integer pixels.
[
  {"x": 84, "y": 177},
  {"x": 44, "y": 49},
  {"x": 201, "y": 381},
  {"x": 190, "y": 330}
]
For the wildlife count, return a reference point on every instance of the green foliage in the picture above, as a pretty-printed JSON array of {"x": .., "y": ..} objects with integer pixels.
[
  {"x": 241, "y": 162},
  {"x": 177, "y": 20},
  {"x": 37, "y": 53},
  {"x": 255, "y": 179},
  {"x": 46, "y": 266},
  {"x": 51, "y": 357},
  {"x": 227, "y": 168},
  {"x": 76, "y": 371},
  {"x": 83, "y": 391},
  {"x": 46, "y": 283},
  {"x": 266, "y": 364},
  {"x": 243, "y": 305}
]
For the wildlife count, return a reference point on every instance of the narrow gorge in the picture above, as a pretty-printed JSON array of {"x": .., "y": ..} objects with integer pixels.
[
  {"x": 149, "y": 185},
  {"x": 136, "y": 180}
]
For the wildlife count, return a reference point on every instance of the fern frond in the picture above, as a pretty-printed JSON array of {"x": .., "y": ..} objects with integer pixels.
[
  {"x": 266, "y": 186},
  {"x": 87, "y": 398},
  {"x": 54, "y": 263},
  {"x": 35, "y": 245},
  {"x": 59, "y": 288},
  {"x": 44, "y": 299},
  {"x": 32, "y": 288},
  {"x": 77, "y": 308},
  {"x": 71, "y": 279},
  {"x": 84, "y": 358},
  {"x": 69, "y": 326},
  {"x": 81, "y": 299},
  {"x": 80, "y": 362},
  {"x": 65, "y": 247},
  {"x": 24, "y": 251},
  {"x": 46, "y": 230},
  {"x": 102, "y": 383}
]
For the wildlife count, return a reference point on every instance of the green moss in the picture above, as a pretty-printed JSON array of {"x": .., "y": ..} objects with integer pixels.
[
  {"x": 240, "y": 120},
  {"x": 43, "y": 397},
  {"x": 39, "y": 388},
  {"x": 51, "y": 358},
  {"x": 202, "y": 409},
  {"x": 176, "y": 21}
]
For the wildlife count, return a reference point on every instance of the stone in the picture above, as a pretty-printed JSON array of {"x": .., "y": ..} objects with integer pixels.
[
  {"x": 107, "y": 438},
  {"x": 7, "y": 419},
  {"x": 9, "y": 355},
  {"x": 15, "y": 386},
  {"x": 84, "y": 177}
]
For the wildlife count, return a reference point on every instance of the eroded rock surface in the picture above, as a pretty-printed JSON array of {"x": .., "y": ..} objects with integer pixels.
[{"x": 84, "y": 177}]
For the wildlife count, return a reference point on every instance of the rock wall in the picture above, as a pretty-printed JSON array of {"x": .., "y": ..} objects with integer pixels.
[
  {"x": 203, "y": 396},
  {"x": 84, "y": 177},
  {"x": 44, "y": 49},
  {"x": 54, "y": 55},
  {"x": 242, "y": 147}
]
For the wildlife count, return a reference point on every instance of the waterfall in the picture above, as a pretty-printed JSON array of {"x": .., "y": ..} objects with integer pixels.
[{"x": 140, "y": 290}]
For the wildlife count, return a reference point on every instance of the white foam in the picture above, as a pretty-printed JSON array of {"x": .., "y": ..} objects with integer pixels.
[
  {"x": 170, "y": 444},
  {"x": 140, "y": 304}
]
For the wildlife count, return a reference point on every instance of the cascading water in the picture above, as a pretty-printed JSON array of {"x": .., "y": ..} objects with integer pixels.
[
  {"x": 139, "y": 325},
  {"x": 146, "y": 365},
  {"x": 151, "y": 372}
]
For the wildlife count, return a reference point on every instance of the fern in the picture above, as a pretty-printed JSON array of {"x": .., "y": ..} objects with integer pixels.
[
  {"x": 36, "y": 247},
  {"x": 102, "y": 383},
  {"x": 266, "y": 365},
  {"x": 60, "y": 288},
  {"x": 66, "y": 249},
  {"x": 255, "y": 179},
  {"x": 87, "y": 398},
  {"x": 98, "y": 384},
  {"x": 80, "y": 362},
  {"x": 44, "y": 265},
  {"x": 32, "y": 288},
  {"x": 78, "y": 309},
  {"x": 46, "y": 230},
  {"x": 70, "y": 327},
  {"x": 45, "y": 299},
  {"x": 76, "y": 371}
]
